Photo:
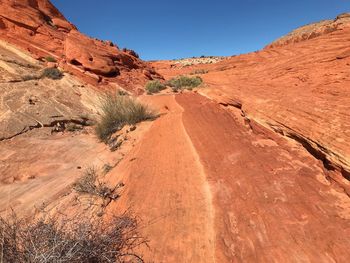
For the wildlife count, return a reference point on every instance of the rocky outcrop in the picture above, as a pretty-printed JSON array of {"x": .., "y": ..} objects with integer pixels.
[
  {"x": 313, "y": 30},
  {"x": 38, "y": 27}
]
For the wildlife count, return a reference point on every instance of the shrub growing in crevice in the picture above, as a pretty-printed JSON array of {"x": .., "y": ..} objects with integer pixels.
[
  {"x": 184, "y": 82},
  {"x": 117, "y": 111}
]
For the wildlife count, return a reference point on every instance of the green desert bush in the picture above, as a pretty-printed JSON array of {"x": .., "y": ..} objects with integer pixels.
[
  {"x": 154, "y": 86},
  {"x": 117, "y": 111},
  {"x": 184, "y": 82},
  {"x": 52, "y": 73}
]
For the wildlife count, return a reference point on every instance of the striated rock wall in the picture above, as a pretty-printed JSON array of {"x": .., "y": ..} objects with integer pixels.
[{"x": 38, "y": 27}]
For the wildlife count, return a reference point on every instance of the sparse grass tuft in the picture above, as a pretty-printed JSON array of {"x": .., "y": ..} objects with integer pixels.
[
  {"x": 117, "y": 111},
  {"x": 184, "y": 82},
  {"x": 52, "y": 73},
  {"x": 154, "y": 86},
  {"x": 50, "y": 59}
]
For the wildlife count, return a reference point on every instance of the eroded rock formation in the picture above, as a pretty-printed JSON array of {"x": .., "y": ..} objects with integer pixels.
[{"x": 38, "y": 27}]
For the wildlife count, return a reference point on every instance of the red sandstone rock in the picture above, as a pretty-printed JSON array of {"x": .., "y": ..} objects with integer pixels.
[{"x": 41, "y": 29}]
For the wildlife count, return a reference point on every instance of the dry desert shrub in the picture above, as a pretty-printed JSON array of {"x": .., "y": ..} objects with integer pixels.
[
  {"x": 90, "y": 184},
  {"x": 52, "y": 73},
  {"x": 49, "y": 240}
]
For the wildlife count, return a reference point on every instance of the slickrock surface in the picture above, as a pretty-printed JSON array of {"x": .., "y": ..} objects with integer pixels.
[
  {"x": 38, "y": 27},
  {"x": 299, "y": 90},
  {"x": 209, "y": 188},
  {"x": 38, "y": 168}
]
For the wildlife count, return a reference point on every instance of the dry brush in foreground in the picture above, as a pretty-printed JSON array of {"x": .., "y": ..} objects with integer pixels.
[{"x": 49, "y": 240}]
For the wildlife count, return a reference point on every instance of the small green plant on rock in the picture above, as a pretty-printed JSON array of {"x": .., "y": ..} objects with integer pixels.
[{"x": 154, "y": 86}]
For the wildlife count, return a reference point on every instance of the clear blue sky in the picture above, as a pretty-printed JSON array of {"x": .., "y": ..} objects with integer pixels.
[{"x": 167, "y": 29}]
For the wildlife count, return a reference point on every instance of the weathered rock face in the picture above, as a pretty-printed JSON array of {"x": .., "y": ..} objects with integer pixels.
[
  {"x": 29, "y": 102},
  {"x": 313, "y": 30},
  {"x": 38, "y": 27}
]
